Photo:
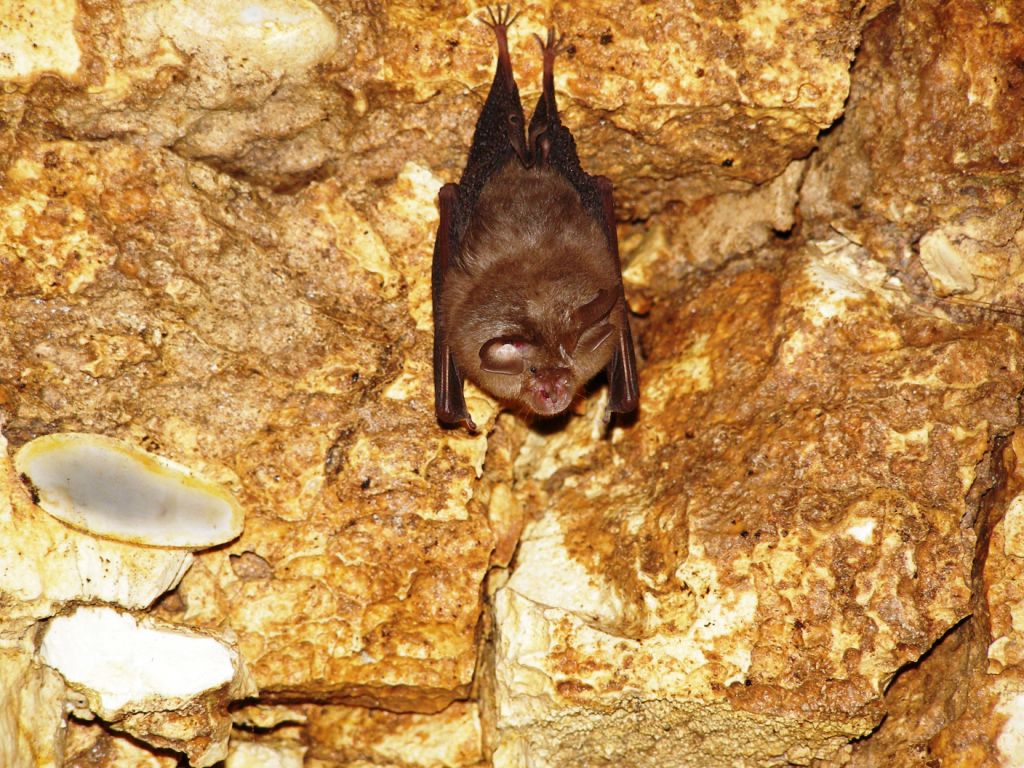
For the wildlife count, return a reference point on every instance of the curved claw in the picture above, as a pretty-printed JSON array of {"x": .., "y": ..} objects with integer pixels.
[
  {"x": 500, "y": 17},
  {"x": 553, "y": 46}
]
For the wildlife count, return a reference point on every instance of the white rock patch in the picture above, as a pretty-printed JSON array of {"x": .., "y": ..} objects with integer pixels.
[
  {"x": 108, "y": 654},
  {"x": 114, "y": 490}
]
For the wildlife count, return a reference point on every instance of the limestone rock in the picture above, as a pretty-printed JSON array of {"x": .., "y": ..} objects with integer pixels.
[
  {"x": 166, "y": 685},
  {"x": 31, "y": 711},
  {"x": 45, "y": 565},
  {"x": 315, "y": 391},
  {"x": 807, "y": 536},
  {"x": 641, "y": 86},
  {"x": 90, "y": 745},
  {"x": 215, "y": 229},
  {"x": 37, "y": 41},
  {"x": 926, "y": 167},
  {"x": 343, "y": 736},
  {"x": 961, "y": 705},
  {"x": 265, "y": 754},
  {"x": 675, "y": 101}
]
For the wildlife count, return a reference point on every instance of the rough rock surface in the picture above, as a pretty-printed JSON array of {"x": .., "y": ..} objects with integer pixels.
[
  {"x": 215, "y": 227},
  {"x": 90, "y": 745},
  {"x": 280, "y": 356},
  {"x": 31, "y": 711},
  {"x": 45, "y": 565},
  {"x": 926, "y": 168},
  {"x": 821, "y": 447},
  {"x": 165, "y": 684}
]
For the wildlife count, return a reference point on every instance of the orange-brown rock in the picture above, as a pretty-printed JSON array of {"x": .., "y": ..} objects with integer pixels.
[
  {"x": 343, "y": 736},
  {"x": 819, "y": 445},
  {"x": 215, "y": 231},
  {"x": 279, "y": 353},
  {"x": 926, "y": 167}
]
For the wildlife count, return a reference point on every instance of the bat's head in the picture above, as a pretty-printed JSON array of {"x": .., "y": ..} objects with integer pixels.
[
  {"x": 539, "y": 380},
  {"x": 543, "y": 365}
]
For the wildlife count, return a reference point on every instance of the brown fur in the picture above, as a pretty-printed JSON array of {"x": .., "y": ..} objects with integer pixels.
[{"x": 531, "y": 257}]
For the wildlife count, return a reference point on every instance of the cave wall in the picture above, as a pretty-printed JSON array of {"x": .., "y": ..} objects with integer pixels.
[{"x": 215, "y": 240}]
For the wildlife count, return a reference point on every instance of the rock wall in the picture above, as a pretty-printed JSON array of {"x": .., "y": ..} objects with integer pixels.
[{"x": 217, "y": 221}]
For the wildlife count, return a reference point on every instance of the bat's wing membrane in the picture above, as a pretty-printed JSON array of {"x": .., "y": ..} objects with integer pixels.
[
  {"x": 624, "y": 391},
  {"x": 449, "y": 401}
]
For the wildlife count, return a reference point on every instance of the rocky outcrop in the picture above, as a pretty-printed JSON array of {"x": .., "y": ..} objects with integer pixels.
[{"x": 215, "y": 246}]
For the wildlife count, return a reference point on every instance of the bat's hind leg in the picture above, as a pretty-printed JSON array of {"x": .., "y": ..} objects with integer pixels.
[
  {"x": 506, "y": 105},
  {"x": 546, "y": 114},
  {"x": 500, "y": 18}
]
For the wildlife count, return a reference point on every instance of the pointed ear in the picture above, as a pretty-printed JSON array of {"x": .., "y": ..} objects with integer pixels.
[
  {"x": 591, "y": 320},
  {"x": 594, "y": 337},
  {"x": 595, "y": 310},
  {"x": 504, "y": 354}
]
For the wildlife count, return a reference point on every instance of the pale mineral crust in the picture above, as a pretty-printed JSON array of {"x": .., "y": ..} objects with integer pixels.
[
  {"x": 31, "y": 711},
  {"x": 45, "y": 565},
  {"x": 167, "y": 685}
]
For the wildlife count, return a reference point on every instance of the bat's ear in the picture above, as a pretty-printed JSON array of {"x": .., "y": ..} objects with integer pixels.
[
  {"x": 504, "y": 354},
  {"x": 595, "y": 310},
  {"x": 591, "y": 320},
  {"x": 594, "y": 336}
]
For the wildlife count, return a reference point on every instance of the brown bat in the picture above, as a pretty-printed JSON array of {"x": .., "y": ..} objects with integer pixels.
[{"x": 527, "y": 286}]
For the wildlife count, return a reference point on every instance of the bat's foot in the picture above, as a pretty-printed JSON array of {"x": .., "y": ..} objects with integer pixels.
[
  {"x": 500, "y": 19},
  {"x": 551, "y": 47},
  {"x": 540, "y": 142}
]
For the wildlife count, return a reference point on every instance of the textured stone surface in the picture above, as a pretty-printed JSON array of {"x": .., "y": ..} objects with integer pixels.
[
  {"x": 34, "y": 40},
  {"x": 926, "y": 167},
  {"x": 31, "y": 711},
  {"x": 674, "y": 101},
  {"x": 283, "y": 91},
  {"x": 961, "y": 706},
  {"x": 167, "y": 685},
  {"x": 278, "y": 355},
  {"x": 90, "y": 745},
  {"x": 344, "y": 736},
  {"x": 819, "y": 446},
  {"x": 215, "y": 228},
  {"x": 45, "y": 565}
]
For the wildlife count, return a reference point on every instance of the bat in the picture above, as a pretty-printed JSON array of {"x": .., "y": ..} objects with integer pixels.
[{"x": 526, "y": 281}]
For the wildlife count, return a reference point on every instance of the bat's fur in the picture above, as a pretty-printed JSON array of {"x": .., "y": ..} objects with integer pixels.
[{"x": 528, "y": 299}]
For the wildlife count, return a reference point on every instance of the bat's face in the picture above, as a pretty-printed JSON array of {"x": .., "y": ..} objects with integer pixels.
[
  {"x": 543, "y": 382},
  {"x": 543, "y": 364}
]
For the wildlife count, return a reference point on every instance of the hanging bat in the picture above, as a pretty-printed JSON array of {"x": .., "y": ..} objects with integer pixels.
[{"x": 527, "y": 286}]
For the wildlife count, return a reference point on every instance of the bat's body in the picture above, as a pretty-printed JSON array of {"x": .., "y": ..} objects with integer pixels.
[{"x": 527, "y": 287}]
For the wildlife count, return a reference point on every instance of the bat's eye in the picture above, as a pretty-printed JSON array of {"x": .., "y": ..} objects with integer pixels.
[
  {"x": 514, "y": 119},
  {"x": 533, "y": 369},
  {"x": 503, "y": 354}
]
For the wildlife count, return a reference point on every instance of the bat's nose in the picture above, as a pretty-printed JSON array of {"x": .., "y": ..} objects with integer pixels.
[{"x": 553, "y": 390}]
